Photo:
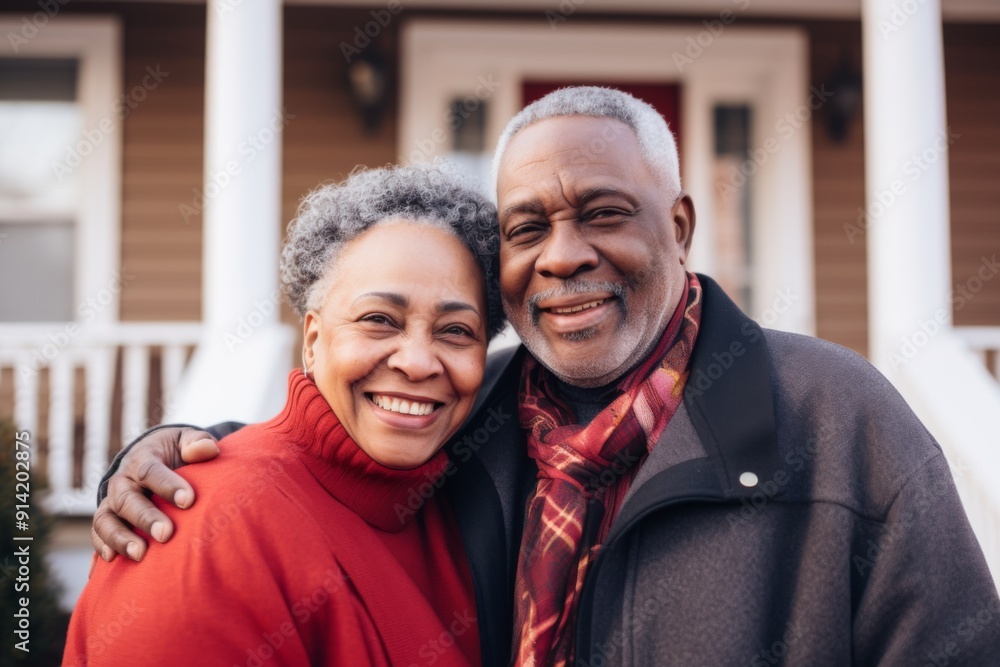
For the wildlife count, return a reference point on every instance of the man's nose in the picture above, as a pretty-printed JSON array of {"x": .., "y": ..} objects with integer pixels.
[
  {"x": 416, "y": 358},
  {"x": 566, "y": 252}
]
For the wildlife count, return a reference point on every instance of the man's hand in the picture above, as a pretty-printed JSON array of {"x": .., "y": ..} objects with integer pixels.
[{"x": 150, "y": 464}]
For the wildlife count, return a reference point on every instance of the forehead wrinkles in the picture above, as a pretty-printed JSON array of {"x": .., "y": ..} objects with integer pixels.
[{"x": 563, "y": 186}]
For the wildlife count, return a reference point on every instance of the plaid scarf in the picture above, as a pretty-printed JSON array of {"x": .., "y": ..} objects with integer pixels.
[{"x": 584, "y": 473}]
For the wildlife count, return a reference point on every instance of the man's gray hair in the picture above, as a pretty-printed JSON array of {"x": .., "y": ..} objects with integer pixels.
[
  {"x": 334, "y": 215},
  {"x": 659, "y": 149}
]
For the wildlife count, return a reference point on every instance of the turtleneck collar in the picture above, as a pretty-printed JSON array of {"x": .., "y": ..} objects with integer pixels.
[{"x": 376, "y": 493}]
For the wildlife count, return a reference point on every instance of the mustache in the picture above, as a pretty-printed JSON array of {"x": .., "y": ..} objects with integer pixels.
[{"x": 571, "y": 288}]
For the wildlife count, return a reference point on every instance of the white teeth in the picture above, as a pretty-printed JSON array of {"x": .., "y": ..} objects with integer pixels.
[
  {"x": 394, "y": 404},
  {"x": 577, "y": 309}
]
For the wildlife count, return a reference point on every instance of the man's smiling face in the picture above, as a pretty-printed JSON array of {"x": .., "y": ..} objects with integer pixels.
[{"x": 591, "y": 255}]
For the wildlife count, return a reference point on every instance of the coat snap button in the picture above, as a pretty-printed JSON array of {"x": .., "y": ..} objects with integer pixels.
[{"x": 748, "y": 479}]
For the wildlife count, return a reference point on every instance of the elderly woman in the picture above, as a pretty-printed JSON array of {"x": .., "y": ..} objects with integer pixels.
[{"x": 315, "y": 558}]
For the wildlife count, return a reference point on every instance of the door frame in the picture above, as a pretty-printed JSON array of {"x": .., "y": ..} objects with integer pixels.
[{"x": 763, "y": 67}]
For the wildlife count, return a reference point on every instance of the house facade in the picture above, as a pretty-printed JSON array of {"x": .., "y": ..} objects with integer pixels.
[{"x": 151, "y": 155}]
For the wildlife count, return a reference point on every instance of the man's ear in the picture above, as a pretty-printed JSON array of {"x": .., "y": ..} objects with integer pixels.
[
  {"x": 683, "y": 218},
  {"x": 310, "y": 335}
]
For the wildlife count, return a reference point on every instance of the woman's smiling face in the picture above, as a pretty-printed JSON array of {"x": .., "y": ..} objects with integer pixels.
[{"x": 397, "y": 346}]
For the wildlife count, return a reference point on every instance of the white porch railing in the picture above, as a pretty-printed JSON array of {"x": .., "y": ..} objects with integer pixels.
[
  {"x": 984, "y": 341},
  {"x": 959, "y": 402},
  {"x": 61, "y": 352}
]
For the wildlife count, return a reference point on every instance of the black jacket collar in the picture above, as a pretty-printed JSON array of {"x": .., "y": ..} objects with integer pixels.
[{"x": 729, "y": 400}]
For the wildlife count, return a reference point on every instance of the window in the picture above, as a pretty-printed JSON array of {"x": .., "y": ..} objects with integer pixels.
[
  {"x": 467, "y": 121},
  {"x": 39, "y": 118},
  {"x": 60, "y": 168},
  {"x": 733, "y": 231}
]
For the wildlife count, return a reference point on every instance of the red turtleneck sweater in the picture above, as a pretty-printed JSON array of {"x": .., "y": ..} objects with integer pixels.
[{"x": 301, "y": 550}]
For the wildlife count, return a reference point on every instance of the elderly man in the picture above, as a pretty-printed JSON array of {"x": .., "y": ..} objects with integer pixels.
[{"x": 652, "y": 478}]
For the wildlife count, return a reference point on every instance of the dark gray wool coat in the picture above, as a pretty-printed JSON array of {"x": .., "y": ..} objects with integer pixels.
[
  {"x": 794, "y": 512},
  {"x": 852, "y": 546}
]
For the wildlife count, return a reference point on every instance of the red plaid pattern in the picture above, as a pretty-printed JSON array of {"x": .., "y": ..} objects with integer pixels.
[{"x": 584, "y": 473}]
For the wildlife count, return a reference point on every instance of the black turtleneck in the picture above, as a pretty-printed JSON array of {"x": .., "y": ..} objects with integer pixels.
[{"x": 586, "y": 402}]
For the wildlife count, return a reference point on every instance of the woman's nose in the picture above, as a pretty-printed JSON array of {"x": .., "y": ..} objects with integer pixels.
[{"x": 416, "y": 359}]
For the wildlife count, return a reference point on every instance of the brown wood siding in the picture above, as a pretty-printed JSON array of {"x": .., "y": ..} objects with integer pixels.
[
  {"x": 973, "y": 108},
  {"x": 838, "y": 193},
  {"x": 162, "y": 164},
  {"x": 326, "y": 139},
  {"x": 163, "y": 152}
]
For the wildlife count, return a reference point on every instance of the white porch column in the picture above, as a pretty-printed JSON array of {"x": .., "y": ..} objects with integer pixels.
[
  {"x": 238, "y": 371},
  {"x": 906, "y": 176},
  {"x": 909, "y": 255}
]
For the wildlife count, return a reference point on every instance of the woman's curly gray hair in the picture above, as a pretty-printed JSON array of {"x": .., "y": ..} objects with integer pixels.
[{"x": 334, "y": 215}]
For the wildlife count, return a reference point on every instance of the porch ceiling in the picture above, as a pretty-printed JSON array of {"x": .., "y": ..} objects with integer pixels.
[{"x": 953, "y": 10}]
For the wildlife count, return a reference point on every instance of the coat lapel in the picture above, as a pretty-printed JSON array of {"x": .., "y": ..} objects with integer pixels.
[{"x": 488, "y": 491}]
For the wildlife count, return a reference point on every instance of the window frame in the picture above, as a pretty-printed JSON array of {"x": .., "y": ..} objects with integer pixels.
[{"x": 96, "y": 41}]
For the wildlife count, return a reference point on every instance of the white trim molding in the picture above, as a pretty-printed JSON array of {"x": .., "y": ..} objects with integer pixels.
[
  {"x": 953, "y": 10},
  {"x": 765, "y": 68}
]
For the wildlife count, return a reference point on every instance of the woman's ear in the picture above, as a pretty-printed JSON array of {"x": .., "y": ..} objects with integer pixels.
[{"x": 311, "y": 326}]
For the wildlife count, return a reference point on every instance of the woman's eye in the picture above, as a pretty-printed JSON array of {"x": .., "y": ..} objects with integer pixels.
[
  {"x": 456, "y": 330},
  {"x": 377, "y": 318}
]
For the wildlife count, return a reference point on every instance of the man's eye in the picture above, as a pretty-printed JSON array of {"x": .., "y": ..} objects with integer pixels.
[
  {"x": 605, "y": 213},
  {"x": 524, "y": 229}
]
